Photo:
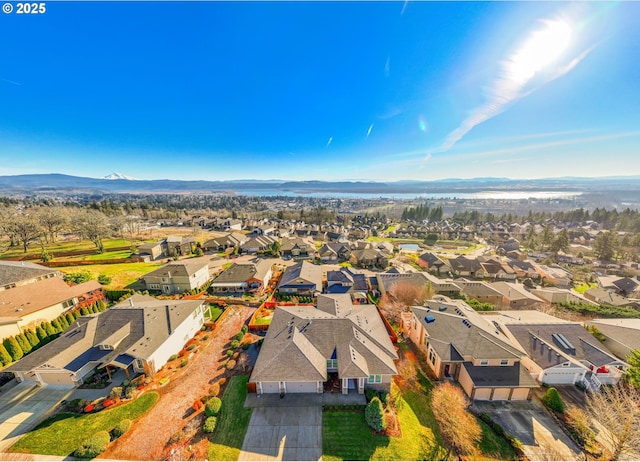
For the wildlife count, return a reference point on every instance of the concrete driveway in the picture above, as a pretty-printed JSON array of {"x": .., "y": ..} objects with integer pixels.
[
  {"x": 283, "y": 433},
  {"x": 542, "y": 437},
  {"x": 25, "y": 405}
]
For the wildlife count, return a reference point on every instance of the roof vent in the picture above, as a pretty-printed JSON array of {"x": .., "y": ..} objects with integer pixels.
[
  {"x": 429, "y": 318},
  {"x": 442, "y": 308}
]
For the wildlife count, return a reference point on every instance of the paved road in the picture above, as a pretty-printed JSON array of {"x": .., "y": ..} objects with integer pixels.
[
  {"x": 283, "y": 433},
  {"x": 24, "y": 406},
  {"x": 540, "y": 435}
]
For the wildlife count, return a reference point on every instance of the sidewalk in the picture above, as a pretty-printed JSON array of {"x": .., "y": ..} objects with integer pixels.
[{"x": 302, "y": 399}]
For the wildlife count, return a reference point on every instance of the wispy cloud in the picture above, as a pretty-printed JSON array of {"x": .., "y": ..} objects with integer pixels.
[
  {"x": 12, "y": 82},
  {"x": 369, "y": 131},
  {"x": 387, "y": 66},
  {"x": 330, "y": 141},
  {"x": 404, "y": 7},
  {"x": 521, "y": 74}
]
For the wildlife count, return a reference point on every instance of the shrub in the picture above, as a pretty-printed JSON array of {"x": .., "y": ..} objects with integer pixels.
[
  {"x": 190, "y": 347},
  {"x": 108, "y": 402},
  {"x": 205, "y": 337},
  {"x": 235, "y": 344},
  {"x": 89, "y": 407},
  {"x": 123, "y": 427},
  {"x": 116, "y": 392},
  {"x": 229, "y": 353},
  {"x": 78, "y": 277},
  {"x": 244, "y": 329},
  {"x": 579, "y": 423},
  {"x": 552, "y": 400},
  {"x": 210, "y": 424},
  {"x": 104, "y": 279},
  {"x": 385, "y": 398},
  {"x": 214, "y": 390},
  {"x": 213, "y": 406},
  {"x": 370, "y": 394},
  {"x": 245, "y": 346},
  {"x": 239, "y": 336},
  {"x": 93, "y": 446},
  {"x": 374, "y": 414},
  {"x": 184, "y": 362},
  {"x": 231, "y": 364},
  {"x": 197, "y": 405},
  {"x": 173, "y": 357},
  {"x": 177, "y": 436}
]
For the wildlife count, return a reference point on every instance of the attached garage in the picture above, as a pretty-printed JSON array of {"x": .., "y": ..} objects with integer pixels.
[
  {"x": 482, "y": 394},
  {"x": 501, "y": 394},
  {"x": 51, "y": 378},
  {"x": 520, "y": 394},
  {"x": 302, "y": 387},
  {"x": 268, "y": 387}
]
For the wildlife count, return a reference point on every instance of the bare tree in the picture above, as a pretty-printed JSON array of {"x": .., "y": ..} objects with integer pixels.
[
  {"x": 617, "y": 409},
  {"x": 458, "y": 426},
  {"x": 401, "y": 296},
  {"x": 53, "y": 220},
  {"x": 25, "y": 229},
  {"x": 92, "y": 225}
]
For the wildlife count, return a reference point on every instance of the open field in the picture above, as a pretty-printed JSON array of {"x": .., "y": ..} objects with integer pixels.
[{"x": 61, "y": 246}]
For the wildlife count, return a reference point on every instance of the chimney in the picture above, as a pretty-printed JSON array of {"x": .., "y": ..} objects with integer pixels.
[{"x": 168, "y": 311}]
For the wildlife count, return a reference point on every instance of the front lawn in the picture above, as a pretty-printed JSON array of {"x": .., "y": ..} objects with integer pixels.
[
  {"x": 63, "y": 433},
  {"x": 495, "y": 446},
  {"x": 233, "y": 421},
  {"x": 213, "y": 313},
  {"x": 346, "y": 436}
]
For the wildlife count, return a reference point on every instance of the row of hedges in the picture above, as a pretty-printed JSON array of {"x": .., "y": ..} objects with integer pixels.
[
  {"x": 605, "y": 311},
  {"x": 115, "y": 295},
  {"x": 17, "y": 346}
]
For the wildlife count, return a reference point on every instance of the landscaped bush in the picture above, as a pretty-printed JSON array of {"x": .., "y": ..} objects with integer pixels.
[
  {"x": 370, "y": 394},
  {"x": 214, "y": 390},
  {"x": 173, "y": 357},
  {"x": 239, "y": 336},
  {"x": 213, "y": 406},
  {"x": 184, "y": 362},
  {"x": 116, "y": 392},
  {"x": 231, "y": 364},
  {"x": 579, "y": 423},
  {"x": 235, "y": 344},
  {"x": 210, "y": 424},
  {"x": 374, "y": 414},
  {"x": 244, "y": 329},
  {"x": 229, "y": 353},
  {"x": 222, "y": 381},
  {"x": 552, "y": 400},
  {"x": 191, "y": 347},
  {"x": 123, "y": 427},
  {"x": 197, "y": 405},
  {"x": 94, "y": 446}
]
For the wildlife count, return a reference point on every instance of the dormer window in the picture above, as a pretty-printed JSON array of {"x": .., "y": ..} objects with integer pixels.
[{"x": 104, "y": 346}]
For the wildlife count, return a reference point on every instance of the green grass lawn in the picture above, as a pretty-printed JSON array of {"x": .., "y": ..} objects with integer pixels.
[
  {"x": 346, "y": 436},
  {"x": 264, "y": 321},
  {"x": 64, "y": 433},
  {"x": 64, "y": 246},
  {"x": 122, "y": 274},
  {"x": 495, "y": 446},
  {"x": 233, "y": 421},
  {"x": 213, "y": 313},
  {"x": 582, "y": 288}
]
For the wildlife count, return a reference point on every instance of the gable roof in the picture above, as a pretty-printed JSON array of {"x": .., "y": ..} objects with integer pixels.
[
  {"x": 301, "y": 338},
  {"x": 12, "y": 272},
  {"x": 302, "y": 273},
  {"x": 137, "y": 327},
  {"x": 623, "y": 331},
  {"x": 177, "y": 269}
]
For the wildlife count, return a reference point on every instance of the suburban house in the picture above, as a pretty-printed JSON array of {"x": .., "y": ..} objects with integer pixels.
[
  {"x": 559, "y": 352},
  {"x": 555, "y": 275},
  {"x": 333, "y": 252},
  {"x": 238, "y": 279},
  {"x": 228, "y": 241},
  {"x": 524, "y": 269},
  {"x": 620, "y": 335},
  {"x": 369, "y": 258},
  {"x": 336, "y": 346},
  {"x": 555, "y": 295},
  {"x": 480, "y": 290},
  {"x": 303, "y": 278},
  {"x": 177, "y": 277},
  {"x": 260, "y": 243},
  {"x": 433, "y": 263},
  {"x": 168, "y": 247},
  {"x": 32, "y": 294},
  {"x": 516, "y": 296},
  {"x": 464, "y": 267},
  {"x": 137, "y": 335},
  {"x": 386, "y": 281},
  {"x": 347, "y": 281},
  {"x": 496, "y": 269},
  {"x": 296, "y": 247},
  {"x": 460, "y": 345},
  {"x": 609, "y": 297},
  {"x": 622, "y": 286},
  {"x": 446, "y": 287}
]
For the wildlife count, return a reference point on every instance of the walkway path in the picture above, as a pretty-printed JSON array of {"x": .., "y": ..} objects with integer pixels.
[{"x": 150, "y": 434}]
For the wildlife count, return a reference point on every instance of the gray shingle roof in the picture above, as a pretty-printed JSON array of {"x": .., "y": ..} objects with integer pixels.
[
  {"x": 177, "y": 269},
  {"x": 500, "y": 376},
  {"x": 302, "y": 273},
  {"x": 12, "y": 272},
  {"x": 355, "y": 332}
]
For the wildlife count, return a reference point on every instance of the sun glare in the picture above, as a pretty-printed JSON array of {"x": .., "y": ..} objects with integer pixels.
[{"x": 542, "y": 48}]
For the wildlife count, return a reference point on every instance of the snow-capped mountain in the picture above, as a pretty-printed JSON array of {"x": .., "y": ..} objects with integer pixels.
[{"x": 118, "y": 176}]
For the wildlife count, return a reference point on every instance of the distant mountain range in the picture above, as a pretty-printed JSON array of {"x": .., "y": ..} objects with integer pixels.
[{"x": 119, "y": 183}]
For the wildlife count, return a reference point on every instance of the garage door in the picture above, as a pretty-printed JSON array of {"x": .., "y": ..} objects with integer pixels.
[
  {"x": 301, "y": 387},
  {"x": 520, "y": 394},
  {"x": 57, "y": 378},
  {"x": 482, "y": 394},
  {"x": 269, "y": 387},
  {"x": 501, "y": 394}
]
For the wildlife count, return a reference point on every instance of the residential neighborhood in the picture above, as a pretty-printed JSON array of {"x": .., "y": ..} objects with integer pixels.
[{"x": 333, "y": 314}]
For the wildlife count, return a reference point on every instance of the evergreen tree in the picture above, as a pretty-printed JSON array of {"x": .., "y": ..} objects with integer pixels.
[
  {"x": 13, "y": 348},
  {"x": 62, "y": 320},
  {"x": 50, "y": 330},
  {"x": 374, "y": 414},
  {"x": 5, "y": 357},
  {"x": 101, "y": 305},
  {"x": 70, "y": 318},
  {"x": 56, "y": 326},
  {"x": 633, "y": 373},
  {"x": 33, "y": 339},
  {"x": 24, "y": 343},
  {"x": 42, "y": 334},
  {"x": 84, "y": 311}
]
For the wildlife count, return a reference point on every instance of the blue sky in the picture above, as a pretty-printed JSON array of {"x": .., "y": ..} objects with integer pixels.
[{"x": 326, "y": 90}]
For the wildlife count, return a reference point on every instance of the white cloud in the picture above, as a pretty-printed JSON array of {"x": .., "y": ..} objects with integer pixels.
[
  {"x": 369, "y": 131},
  {"x": 330, "y": 141}
]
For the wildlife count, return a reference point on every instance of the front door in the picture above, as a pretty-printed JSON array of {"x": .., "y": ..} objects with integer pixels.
[{"x": 447, "y": 368}]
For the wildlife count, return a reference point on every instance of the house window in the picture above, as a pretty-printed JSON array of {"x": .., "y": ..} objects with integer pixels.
[
  {"x": 374, "y": 378},
  {"x": 332, "y": 363},
  {"x": 432, "y": 357},
  {"x": 484, "y": 362},
  {"x": 67, "y": 303},
  {"x": 504, "y": 362},
  {"x": 139, "y": 364}
]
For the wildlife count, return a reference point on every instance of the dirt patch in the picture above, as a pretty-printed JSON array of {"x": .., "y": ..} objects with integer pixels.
[{"x": 148, "y": 439}]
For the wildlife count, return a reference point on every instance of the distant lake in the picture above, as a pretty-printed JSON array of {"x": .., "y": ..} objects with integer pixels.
[
  {"x": 505, "y": 195},
  {"x": 412, "y": 247}
]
